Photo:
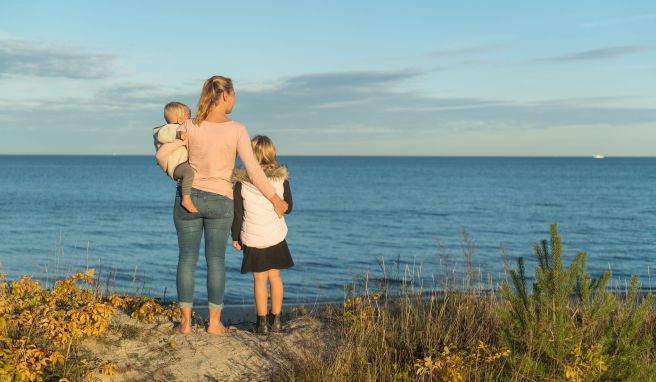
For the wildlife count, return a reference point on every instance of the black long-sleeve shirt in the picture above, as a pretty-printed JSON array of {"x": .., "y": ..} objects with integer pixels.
[{"x": 238, "y": 220}]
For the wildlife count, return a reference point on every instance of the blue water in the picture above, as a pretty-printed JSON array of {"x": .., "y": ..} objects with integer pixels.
[{"x": 63, "y": 213}]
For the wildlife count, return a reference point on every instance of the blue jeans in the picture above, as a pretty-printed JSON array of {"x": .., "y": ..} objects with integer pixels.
[{"x": 215, "y": 218}]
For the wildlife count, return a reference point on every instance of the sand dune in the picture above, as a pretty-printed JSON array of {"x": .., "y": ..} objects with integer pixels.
[{"x": 154, "y": 352}]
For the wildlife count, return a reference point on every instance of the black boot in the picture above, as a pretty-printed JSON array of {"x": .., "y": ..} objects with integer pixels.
[
  {"x": 275, "y": 322},
  {"x": 262, "y": 326}
]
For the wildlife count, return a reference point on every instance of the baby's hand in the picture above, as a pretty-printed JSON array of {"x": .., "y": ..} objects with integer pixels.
[
  {"x": 182, "y": 135},
  {"x": 236, "y": 245}
]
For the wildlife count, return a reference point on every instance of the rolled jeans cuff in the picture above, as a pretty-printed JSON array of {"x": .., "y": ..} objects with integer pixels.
[
  {"x": 215, "y": 306},
  {"x": 185, "y": 304}
]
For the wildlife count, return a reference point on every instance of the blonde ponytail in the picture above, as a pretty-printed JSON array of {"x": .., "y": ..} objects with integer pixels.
[{"x": 212, "y": 91}]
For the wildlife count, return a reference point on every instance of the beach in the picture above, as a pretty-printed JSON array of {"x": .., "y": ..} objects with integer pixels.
[
  {"x": 153, "y": 352},
  {"x": 558, "y": 330},
  {"x": 409, "y": 289},
  {"x": 327, "y": 191}
]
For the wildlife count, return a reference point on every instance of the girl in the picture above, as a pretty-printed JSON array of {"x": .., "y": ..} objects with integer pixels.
[
  {"x": 261, "y": 234},
  {"x": 213, "y": 142}
]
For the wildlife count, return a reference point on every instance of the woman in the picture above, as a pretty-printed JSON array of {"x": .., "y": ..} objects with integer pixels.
[{"x": 213, "y": 141}]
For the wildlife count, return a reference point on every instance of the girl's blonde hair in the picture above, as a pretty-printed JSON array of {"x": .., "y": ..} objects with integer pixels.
[
  {"x": 264, "y": 150},
  {"x": 213, "y": 89}
]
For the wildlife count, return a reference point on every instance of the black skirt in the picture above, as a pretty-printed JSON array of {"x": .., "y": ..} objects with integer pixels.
[{"x": 263, "y": 259}]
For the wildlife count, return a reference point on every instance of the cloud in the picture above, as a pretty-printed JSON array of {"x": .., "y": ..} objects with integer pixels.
[
  {"x": 467, "y": 50},
  {"x": 379, "y": 99},
  {"x": 136, "y": 96},
  {"x": 367, "y": 99},
  {"x": 27, "y": 58},
  {"x": 358, "y": 81},
  {"x": 600, "y": 101},
  {"x": 319, "y": 113},
  {"x": 101, "y": 98},
  {"x": 598, "y": 54},
  {"x": 341, "y": 129},
  {"x": 619, "y": 21}
]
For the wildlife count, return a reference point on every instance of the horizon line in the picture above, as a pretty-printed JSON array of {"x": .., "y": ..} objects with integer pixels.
[{"x": 350, "y": 156}]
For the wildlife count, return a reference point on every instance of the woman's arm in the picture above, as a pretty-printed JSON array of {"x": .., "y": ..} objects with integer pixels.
[{"x": 255, "y": 173}]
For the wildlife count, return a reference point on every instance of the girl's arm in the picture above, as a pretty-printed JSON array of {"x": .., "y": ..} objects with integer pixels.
[
  {"x": 238, "y": 219},
  {"x": 287, "y": 195}
]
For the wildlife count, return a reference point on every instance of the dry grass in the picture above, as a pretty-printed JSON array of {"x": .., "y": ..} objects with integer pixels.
[
  {"x": 416, "y": 335},
  {"x": 446, "y": 334}
]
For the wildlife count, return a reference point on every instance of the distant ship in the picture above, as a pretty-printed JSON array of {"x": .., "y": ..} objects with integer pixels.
[{"x": 598, "y": 156}]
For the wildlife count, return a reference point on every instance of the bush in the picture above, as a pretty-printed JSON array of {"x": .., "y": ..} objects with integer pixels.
[
  {"x": 40, "y": 329},
  {"x": 572, "y": 326}
]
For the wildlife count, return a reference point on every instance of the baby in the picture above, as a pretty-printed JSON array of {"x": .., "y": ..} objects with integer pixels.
[{"x": 177, "y": 167}]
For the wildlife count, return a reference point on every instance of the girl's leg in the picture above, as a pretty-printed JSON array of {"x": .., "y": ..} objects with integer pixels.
[
  {"x": 275, "y": 281},
  {"x": 218, "y": 211},
  {"x": 189, "y": 229},
  {"x": 260, "y": 291}
]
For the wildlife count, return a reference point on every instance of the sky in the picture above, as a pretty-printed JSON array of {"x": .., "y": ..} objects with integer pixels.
[{"x": 470, "y": 78}]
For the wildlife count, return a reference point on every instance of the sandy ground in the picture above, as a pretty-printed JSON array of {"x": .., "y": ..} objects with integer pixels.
[{"x": 155, "y": 352}]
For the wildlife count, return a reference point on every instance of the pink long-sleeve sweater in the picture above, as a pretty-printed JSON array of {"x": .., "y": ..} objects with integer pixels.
[{"x": 213, "y": 147}]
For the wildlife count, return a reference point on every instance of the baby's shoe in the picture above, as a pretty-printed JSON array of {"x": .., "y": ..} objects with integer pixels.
[
  {"x": 275, "y": 322},
  {"x": 262, "y": 326}
]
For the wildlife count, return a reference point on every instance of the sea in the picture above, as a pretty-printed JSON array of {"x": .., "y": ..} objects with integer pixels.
[{"x": 354, "y": 219}]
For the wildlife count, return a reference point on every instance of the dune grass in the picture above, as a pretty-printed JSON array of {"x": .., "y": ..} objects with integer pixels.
[{"x": 567, "y": 326}]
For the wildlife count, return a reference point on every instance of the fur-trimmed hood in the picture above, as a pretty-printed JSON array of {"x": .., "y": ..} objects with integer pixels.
[{"x": 239, "y": 174}]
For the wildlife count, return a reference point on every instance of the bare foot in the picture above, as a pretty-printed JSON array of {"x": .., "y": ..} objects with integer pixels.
[
  {"x": 184, "y": 328},
  {"x": 188, "y": 204},
  {"x": 219, "y": 329}
]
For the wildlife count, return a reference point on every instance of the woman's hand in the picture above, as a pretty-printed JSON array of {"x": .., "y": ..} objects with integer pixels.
[
  {"x": 279, "y": 205},
  {"x": 235, "y": 245}
]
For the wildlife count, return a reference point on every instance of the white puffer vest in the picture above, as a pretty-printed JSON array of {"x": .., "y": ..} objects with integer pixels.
[{"x": 261, "y": 227}]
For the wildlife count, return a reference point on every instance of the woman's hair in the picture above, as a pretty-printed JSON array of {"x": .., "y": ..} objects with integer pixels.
[
  {"x": 173, "y": 110},
  {"x": 264, "y": 150},
  {"x": 212, "y": 91}
]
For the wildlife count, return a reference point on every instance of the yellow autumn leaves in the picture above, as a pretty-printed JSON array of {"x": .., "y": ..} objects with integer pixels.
[
  {"x": 588, "y": 363},
  {"x": 144, "y": 308},
  {"x": 39, "y": 328},
  {"x": 451, "y": 365}
]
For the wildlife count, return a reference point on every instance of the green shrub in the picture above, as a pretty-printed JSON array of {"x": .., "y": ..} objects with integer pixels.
[{"x": 570, "y": 326}]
